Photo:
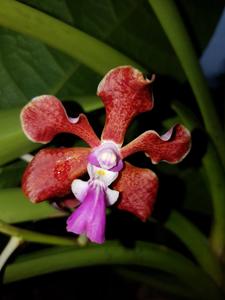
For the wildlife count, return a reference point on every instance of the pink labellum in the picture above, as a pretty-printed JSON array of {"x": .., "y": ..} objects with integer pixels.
[
  {"x": 172, "y": 147},
  {"x": 138, "y": 189},
  {"x": 125, "y": 93},
  {"x": 52, "y": 171},
  {"x": 90, "y": 217},
  {"x": 44, "y": 117}
]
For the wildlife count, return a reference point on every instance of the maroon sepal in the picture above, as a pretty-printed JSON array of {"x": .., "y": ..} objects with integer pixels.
[
  {"x": 52, "y": 171},
  {"x": 125, "y": 93},
  {"x": 138, "y": 190}
]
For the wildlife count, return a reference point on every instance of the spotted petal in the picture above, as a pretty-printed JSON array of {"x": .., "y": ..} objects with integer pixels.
[
  {"x": 138, "y": 189},
  {"x": 171, "y": 147},
  {"x": 52, "y": 171},
  {"x": 44, "y": 117},
  {"x": 125, "y": 93}
]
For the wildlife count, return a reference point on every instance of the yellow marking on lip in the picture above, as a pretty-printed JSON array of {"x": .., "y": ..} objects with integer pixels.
[{"x": 101, "y": 172}]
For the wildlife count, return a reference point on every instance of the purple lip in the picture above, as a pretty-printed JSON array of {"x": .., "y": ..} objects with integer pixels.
[{"x": 90, "y": 217}]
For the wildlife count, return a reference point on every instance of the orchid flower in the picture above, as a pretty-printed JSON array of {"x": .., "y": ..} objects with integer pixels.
[{"x": 55, "y": 172}]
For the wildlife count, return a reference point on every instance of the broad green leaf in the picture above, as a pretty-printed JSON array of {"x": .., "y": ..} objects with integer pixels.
[
  {"x": 201, "y": 10},
  {"x": 216, "y": 177},
  {"x": 161, "y": 282},
  {"x": 56, "y": 8},
  {"x": 144, "y": 254},
  {"x": 79, "y": 45},
  {"x": 15, "y": 208},
  {"x": 132, "y": 24},
  {"x": 13, "y": 141},
  {"x": 10, "y": 175},
  {"x": 196, "y": 197},
  {"x": 132, "y": 27},
  {"x": 197, "y": 243},
  {"x": 89, "y": 103},
  {"x": 29, "y": 68}
]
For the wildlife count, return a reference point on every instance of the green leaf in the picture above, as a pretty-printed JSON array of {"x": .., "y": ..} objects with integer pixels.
[
  {"x": 10, "y": 175},
  {"x": 144, "y": 254},
  {"x": 131, "y": 26},
  {"x": 201, "y": 10},
  {"x": 159, "y": 282},
  {"x": 200, "y": 199},
  {"x": 29, "y": 68},
  {"x": 86, "y": 49},
  {"x": 14, "y": 142},
  {"x": 89, "y": 103},
  {"x": 56, "y": 8},
  {"x": 125, "y": 28},
  {"x": 197, "y": 243},
  {"x": 194, "y": 199},
  {"x": 15, "y": 208},
  {"x": 216, "y": 178}
]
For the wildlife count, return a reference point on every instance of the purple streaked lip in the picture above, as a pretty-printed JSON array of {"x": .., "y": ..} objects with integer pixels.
[
  {"x": 90, "y": 217},
  {"x": 94, "y": 195}
]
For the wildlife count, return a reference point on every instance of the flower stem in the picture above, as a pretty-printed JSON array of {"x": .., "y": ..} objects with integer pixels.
[
  {"x": 173, "y": 25},
  {"x": 36, "y": 237}
]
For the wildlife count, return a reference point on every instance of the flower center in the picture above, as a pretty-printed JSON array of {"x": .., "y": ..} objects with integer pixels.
[{"x": 107, "y": 159}]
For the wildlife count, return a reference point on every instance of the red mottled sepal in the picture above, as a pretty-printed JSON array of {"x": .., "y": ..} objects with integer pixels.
[
  {"x": 138, "y": 190},
  {"x": 171, "y": 147},
  {"x": 44, "y": 117},
  {"x": 125, "y": 93},
  {"x": 52, "y": 171},
  {"x": 68, "y": 202}
]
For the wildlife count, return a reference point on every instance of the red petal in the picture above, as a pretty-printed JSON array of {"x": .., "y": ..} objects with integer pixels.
[
  {"x": 44, "y": 117},
  {"x": 66, "y": 202},
  {"x": 138, "y": 189},
  {"x": 125, "y": 93},
  {"x": 172, "y": 147},
  {"x": 52, "y": 171}
]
